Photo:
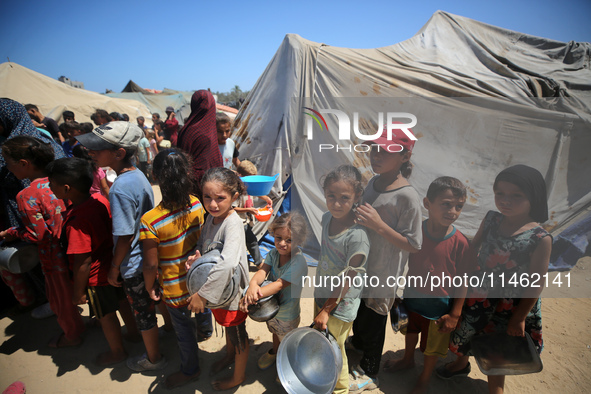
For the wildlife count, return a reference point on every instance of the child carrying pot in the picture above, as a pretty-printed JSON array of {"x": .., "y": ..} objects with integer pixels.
[{"x": 284, "y": 270}]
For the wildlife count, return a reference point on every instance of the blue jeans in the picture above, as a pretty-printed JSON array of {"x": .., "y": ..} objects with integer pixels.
[
  {"x": 204, "y": 323},
  {"x": 186, "y": 336}
]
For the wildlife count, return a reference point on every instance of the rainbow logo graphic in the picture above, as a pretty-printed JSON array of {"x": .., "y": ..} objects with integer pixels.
[{"x": 315, "y": 115}]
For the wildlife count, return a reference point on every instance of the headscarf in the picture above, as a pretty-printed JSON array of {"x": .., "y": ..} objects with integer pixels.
[
  {"x": 198, "y": 137},
  {"x": 532, "y": 183},
  {"x": 16, "y": 122}
]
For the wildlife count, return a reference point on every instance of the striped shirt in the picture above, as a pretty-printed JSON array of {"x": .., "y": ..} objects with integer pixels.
[{"x": 176, "y": 233}]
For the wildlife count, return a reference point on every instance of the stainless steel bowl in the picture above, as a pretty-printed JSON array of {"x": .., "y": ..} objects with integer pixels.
[
  {"x": 309, "y": 362},
  {"x": 199, "y": 271},
  {"x": 18, "y": 257}
]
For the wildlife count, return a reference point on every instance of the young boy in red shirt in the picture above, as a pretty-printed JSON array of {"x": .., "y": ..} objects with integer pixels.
[
  {"x": 434, "y": 311},
  {"x": 88, "y": 243}
]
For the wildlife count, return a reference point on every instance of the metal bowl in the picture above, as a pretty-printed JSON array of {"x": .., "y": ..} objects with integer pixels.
[
  {"x": 309, "y": 362},
  {"x": 18, "y": 257},
  {"x": 399, "y": 318},
  {"x": 199, "y": 271},
  {"x": 503, "y": 354},
  {"x": 266, "y": 308}
]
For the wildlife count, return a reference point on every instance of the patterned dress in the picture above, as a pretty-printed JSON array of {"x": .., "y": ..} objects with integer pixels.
[
  {"x": 490, "y": 306},
  {"x": 40, "y": 212}
]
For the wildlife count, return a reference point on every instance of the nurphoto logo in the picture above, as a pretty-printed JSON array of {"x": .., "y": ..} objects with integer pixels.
[{"x": 392, "y": 125}]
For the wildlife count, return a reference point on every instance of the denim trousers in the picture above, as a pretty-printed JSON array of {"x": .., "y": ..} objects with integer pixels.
[{"x": 186, "y": 335}]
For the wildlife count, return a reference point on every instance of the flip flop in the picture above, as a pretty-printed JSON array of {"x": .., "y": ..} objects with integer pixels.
[{"x": 15, "y": 388}]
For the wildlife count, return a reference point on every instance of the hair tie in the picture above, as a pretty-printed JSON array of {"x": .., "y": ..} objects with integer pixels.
[{"x": 172, "y": 153}]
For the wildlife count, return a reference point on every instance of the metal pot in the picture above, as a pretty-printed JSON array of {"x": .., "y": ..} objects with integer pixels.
[
  {"x": 309, "y": 361},
  {"x": 18, "y": 257},
  {"x": 266, "y": 308},
  {"x": 199, "y": 271}
]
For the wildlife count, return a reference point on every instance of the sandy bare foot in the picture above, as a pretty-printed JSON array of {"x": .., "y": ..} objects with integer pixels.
[
  {"x": 228, "y": 383},
  {"x": 398, "y": 365},
  {"x": 61, "y": 341},
  {"x": 108, "y": 358},
  {"x": 220, "y": 365},
  {"x": 179, "y": 379}
]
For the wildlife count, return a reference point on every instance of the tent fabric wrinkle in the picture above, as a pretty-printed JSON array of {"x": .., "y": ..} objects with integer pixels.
[{"x": 485, "y": 99}]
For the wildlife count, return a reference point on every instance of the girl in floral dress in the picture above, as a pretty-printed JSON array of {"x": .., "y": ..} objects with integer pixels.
[{"x": 513, "y": 245}]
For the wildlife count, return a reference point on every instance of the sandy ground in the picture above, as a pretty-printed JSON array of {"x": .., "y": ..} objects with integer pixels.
[{"x": 24, "y": 356}]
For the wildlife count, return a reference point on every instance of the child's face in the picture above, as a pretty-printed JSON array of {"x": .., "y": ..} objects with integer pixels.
[
  {"x": 445, "y": 208},
  {"x": 510, "y": 200},
  {"x": 217, "y": 200},
  {"x": 17, "y": 167},
  {"x": 340, "y": 197},
  {"x": 283, "y": 241},
  {"x": 383, "y": 161},
  {"x": 59, "y": 190},
  {"x": 75, "y": 133},
  {"x": 223, "y": 133},
  {"x": 103, "y": 158}
]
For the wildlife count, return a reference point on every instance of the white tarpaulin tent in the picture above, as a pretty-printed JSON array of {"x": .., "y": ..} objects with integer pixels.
[
  {"x": 485, "y": 98},
  {"x": 54, "y": 97}
]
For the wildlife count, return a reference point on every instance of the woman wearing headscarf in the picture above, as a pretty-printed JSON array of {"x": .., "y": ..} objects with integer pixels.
[
  {"x": 15, "y": 121},
  {"x": 199, "y": 136}
]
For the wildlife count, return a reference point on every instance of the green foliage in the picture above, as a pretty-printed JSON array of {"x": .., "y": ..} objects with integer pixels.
[{"x": 231, "y": 97}]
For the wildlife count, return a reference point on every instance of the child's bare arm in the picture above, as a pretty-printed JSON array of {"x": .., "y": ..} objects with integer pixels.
[
  {"x": 150, "y": 266},
  {"x": 121, "y": 249},
  {"x": 274, "y": 288},
  {"x": 449, "y": 321},
  {"x": 367, "y": 216},
  {"x": 267, "y": 200},
  {"x": 253, "y": 293},
  {"x": 105, "y": 187},
  {"x": 338, "y": 294},
  {"x": 539, "y": 266},
  {"x": 7, "y": 235},
  {"x": 81, "y": 271},
  {"x": 245, "y": 210}
]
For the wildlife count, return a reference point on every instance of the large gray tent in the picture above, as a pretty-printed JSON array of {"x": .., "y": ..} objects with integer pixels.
[{"x": 484, "y": 98}]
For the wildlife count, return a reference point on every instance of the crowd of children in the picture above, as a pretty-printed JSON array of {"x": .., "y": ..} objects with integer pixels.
[{"x": 112, "y": 248}]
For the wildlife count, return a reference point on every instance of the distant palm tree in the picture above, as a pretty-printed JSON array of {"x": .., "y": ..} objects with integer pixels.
[{"x": 236, "y": 93}]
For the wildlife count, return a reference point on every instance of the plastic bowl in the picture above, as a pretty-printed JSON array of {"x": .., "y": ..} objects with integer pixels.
[
  {"x": 264, "y": 214},
  {"x": 259, "y": 185}
]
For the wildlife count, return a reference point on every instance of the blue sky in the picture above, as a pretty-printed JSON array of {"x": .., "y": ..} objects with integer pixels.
[{"x": 188, "y": 45}]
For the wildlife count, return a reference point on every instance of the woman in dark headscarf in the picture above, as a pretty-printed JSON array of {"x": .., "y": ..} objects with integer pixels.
[
  {"x": 199, "y": 136},
  {"x": 15, "y": 121}
]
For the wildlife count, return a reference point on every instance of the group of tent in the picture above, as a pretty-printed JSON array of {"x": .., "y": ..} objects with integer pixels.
[{"x": 484, "y": 98}]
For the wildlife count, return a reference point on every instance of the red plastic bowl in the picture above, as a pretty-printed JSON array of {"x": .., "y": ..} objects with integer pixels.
[{"x": 264, "y": 214}]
